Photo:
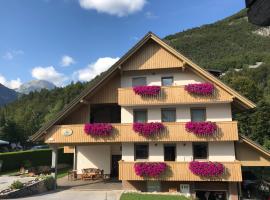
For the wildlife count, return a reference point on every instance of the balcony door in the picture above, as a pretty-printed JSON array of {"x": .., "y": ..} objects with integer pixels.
[{"x": 169, "y": 152}]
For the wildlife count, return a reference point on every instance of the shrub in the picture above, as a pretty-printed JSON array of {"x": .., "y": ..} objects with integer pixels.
[
  {"x": 98, "y": 129},
  {"x": 148, "y": 129},
  {"x": 200, "y": 88},
  {"x": 148, "y": 169},
  {"x": 49, "y": 182},
  {"x": 16, "y": 185},
  {"x": 201, "y": 128},
  {"x": 207, "y": 169},
  {"x": 42, "y": 157},
  {"x": 147, "y": 90}
]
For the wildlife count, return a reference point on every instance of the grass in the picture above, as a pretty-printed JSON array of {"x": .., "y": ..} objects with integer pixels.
[
  {"x": 137, "y": 196},
  {"x": 10, "y": 172},
  {"x": 62, "y": 172}
]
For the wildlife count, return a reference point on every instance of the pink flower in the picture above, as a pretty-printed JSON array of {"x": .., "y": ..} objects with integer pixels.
[
  {"x": 207, "y": 169},
  {"x": 98, "y": 129},
  {"x": 147, "y": 90},
  {"x": 148, "y": 169},
  {"x": 200, "y": 88},
  {"x": 201, "y": 128},
  {"x": 148, "y": 129}
]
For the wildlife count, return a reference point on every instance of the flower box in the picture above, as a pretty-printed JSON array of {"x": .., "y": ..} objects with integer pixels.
[
  {"x": 98, "y": 129},
  {"x": 201, "y": 128},
  {"x": 207, "y": 169},
  {"x": 148, "y": 129},
  {"x": 203, "y": 89},
  {"x": 150, "y": 169},
  {"x": 147, "y": 90}
]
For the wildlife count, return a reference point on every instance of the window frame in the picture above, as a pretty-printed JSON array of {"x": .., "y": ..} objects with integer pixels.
[
  {"x": 167, "y": 77},
  {"x": 135, "y": 152},
  {"x": 207, "y": 149},
  {"x": 168, "y": 109},
  {"x": 140, "y": 110},
  {"x": 198, "y": 108},
  {"x": 144, "y": 77}
]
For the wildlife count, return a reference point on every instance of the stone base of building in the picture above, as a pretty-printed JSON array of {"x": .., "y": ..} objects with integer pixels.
[{"x": 228, "y": 190}]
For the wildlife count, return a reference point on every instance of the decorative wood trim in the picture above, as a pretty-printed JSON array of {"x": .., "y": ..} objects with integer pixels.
[
  {"x": 179, "y": 171},
  {"x": 174, "y": 131},
  {"x": 171, "y": 95}
]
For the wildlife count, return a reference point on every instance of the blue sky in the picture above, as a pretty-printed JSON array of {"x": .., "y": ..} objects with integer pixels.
[{"x": 71, "y": 40}]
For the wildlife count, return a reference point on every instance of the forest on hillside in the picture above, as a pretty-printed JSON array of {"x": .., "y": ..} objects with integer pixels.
[{"x": 234, "y": 46}]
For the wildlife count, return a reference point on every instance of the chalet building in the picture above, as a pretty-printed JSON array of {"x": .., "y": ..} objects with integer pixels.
[{"x": 158, "y": 122}]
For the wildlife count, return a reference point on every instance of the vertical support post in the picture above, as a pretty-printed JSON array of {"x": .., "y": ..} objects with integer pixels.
[
  {"x": 54, "y": 164},
  {"x": 75, "y": 158}
]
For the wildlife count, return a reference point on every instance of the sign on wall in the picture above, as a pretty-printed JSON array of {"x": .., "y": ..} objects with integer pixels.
[{"x": 67, "y": 132}]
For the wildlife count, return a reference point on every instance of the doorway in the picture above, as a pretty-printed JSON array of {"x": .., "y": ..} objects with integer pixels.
[
  {"x": 169, "y": 152},
  {"x": 115, "y": 166}
]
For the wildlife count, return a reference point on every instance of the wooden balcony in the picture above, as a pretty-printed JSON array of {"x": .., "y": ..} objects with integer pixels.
[
  {"x": 227, "y": 131},
  {"x": 179, "y": 171},
  {"x": 171, "y": 95}
]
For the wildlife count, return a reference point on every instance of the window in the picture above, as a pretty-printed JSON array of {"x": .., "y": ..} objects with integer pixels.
[
  {"x": 168, "y": 115},
  {"x": 138, "y": 81},
  {"x": 169, "y": 152},
  {"x": 140, "y": 116},
  {"x": 200, "y": 150},
  {"x": 167, "y": 81},
  {"x": 141, "y": 151},
  {"x": 198, "y": 114}
]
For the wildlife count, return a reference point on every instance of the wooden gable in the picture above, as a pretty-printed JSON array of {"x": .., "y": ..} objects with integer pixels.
[{"x": 151, "y": 56}]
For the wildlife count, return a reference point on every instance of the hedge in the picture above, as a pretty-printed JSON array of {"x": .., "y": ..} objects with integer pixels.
[{"x": 42, "y": 157}]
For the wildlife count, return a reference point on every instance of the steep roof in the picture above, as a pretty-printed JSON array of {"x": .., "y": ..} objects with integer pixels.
[{"x": 239, "y": 99}]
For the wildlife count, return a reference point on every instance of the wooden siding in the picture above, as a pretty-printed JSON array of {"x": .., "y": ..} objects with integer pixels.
[
  {"x": 170, "y": 95},
  {"x": 227, "y": 131},
  {"x": 249, "y": 156},
  {"x": 68, "y": 149},
  {"x": 108, "y": 92},
  {"x": 79, "y": 115},
  {"x": 179, "y": 171},
  {"x": 152, "y": 56}
]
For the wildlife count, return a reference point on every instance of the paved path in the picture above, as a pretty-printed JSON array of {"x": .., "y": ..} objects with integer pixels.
[{"x": 77, "y": 194}]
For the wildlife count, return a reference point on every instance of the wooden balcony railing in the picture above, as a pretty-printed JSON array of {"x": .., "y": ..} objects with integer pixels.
[
  {"x": 179, "y": 171},
  {"x": 171, "y": 95},
  {"x": 174, "y": 131}
]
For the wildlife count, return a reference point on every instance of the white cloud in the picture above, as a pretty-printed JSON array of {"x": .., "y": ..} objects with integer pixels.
[
  {"x": 94, "y": 69},
  {"x": 67, "y": 61},
  {"x": 9, "y": 55},
  {"x": 49, "y": 74},
  {"x": 12, "y": 84},
  {"x": 114, "y": 7}
]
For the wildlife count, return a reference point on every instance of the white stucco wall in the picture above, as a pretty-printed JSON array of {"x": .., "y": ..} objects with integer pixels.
[
  {"x": 156, "y": 152},
  {"x": 128, "y": 151},
  {"x": 94, "y": 156},
  {"x": 221, "y": 151},
  {"x": 214, "y": 112},
  {"x": 153, "y": 78},
  {"x": 184, "y": 151}
]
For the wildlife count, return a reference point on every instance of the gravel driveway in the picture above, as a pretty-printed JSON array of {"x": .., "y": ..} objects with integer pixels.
[{"x": 77, "y": 194}]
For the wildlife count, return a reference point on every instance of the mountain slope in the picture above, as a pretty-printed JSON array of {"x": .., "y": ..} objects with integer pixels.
[
  {"x": 229, "y": 43},
  {"x": 35, "y": 85},
  {"x": 6, "y": 95}
]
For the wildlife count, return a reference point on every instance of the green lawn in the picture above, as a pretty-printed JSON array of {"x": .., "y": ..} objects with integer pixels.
[
  {"x": 137, "y": 196},
  {"x": 62, "y": 172}
]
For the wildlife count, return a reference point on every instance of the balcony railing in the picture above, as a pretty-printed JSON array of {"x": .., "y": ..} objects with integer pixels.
[
  {"x": 173, "y": 132},
  {"x": 179, "y": 171},
  {"x": 171, "y": 95}
]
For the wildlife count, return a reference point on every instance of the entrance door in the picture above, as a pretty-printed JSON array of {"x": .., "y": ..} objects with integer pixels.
[
  {"x": 115, "y": 167},
  {"x": 211, "y": 195}
]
